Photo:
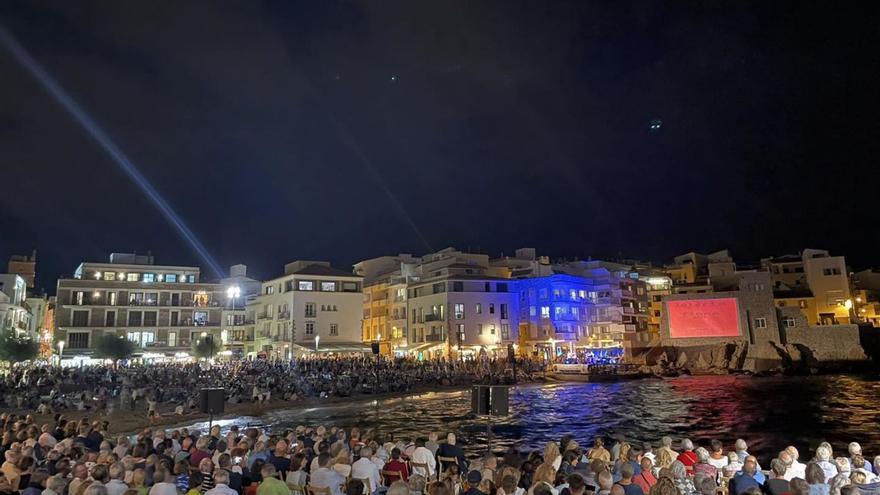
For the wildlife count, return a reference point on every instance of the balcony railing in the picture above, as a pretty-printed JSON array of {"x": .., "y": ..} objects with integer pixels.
[
  {"x": 432, "y": 317},
  {"x": 435, "y": 337}
]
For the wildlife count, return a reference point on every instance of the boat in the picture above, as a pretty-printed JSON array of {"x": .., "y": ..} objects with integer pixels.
[{"x": 594, "y": 372}]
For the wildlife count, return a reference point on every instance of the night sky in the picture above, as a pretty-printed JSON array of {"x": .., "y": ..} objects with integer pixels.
[{"x": 348, "y": 130}]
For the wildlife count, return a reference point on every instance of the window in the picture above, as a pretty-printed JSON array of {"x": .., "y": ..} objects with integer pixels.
[
  {"x": 305, "y": 285},
  {"x": 505, "y": 331},
  {"x": 479, "y": 329},
  {"x": 802, "y": 303},
  {"x": 111, "y": 298},
  {"x": 310, "y": 328},
  {"x": 80, "y": 318},
  {"x": 545, "y": 311},
  {"x": 334, "y": 329},
  {"x": 109, "y": 275},
  {"x": 200, "y": 318},
  {"x": 269, "y": 290},
  {"x": 478, "y": 309},
  {"x": 149, "y": 277},
  {"x": 657, "y": 313},
  {"x": 328, "y": 287},
  {"x": 503, "y": 311},
  {"x": 350, "y": 287},
  {"x": 77, "y": 340},
  {"x": 532, "y": 311},
  {"x": 831, "y": 271},
  {"x": 132, "y": 277},
  {"x": 438, "y": 288},
  {"x": 542, "y": 293},
  {"x": 310, "y": 310},
  {"x": 175, "y": 318},
  {"x": 172, "y": 339},
  {"x": 149, "y": 318},
  {"x": 171, "y": 277},
  {"x": 110, "y": 319},
  {"x": 574, "y": 312},
  {"x": 572, "y": 294},
  {"x": 492, "y": 329},
  {"x": 77, "y": 297},
  {"x": 491, "y": 308},
  {"x": 501, "y": 287},
  {"x": 488, "y": 287},
  {"x": 152, "y": 298},
  {"x": 460, "y": 330},
  {"x": 760, "y": 322},
  {"x": 191, "y": 279},
  {"x": 788, "y": 322},
  {"x": 135, "y": 298},
  {"x": 457, "y": 286},
  {"x": 135, "y": 318},
  {"x": 459, "y": 311}
]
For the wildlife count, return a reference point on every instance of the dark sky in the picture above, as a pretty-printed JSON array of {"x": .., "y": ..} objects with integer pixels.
[{"x": 347, "y": 130}]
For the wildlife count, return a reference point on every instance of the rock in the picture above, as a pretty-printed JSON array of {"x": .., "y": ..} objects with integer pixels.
[
  {"x": 701, "y": 364},
  {"x": 682, "y": 360}
]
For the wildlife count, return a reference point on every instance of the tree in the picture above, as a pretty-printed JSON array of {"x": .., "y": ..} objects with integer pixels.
[
  {"x": 16, "y": 349},
  {"x": 205, "y": 347},
  {"x": 113, "y": 347}
]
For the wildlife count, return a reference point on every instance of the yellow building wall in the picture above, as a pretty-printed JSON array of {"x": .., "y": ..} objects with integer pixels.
[{"x": 807, "y": 306}]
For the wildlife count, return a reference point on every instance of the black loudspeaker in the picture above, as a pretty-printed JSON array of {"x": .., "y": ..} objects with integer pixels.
[
  {"x": 375, "y": 347},
  {"x": 480, "y": 400},
  {"x": 511, "y": 355},
  {"x": 499, "y": 401},
  {"x": 212, "y": 400}
]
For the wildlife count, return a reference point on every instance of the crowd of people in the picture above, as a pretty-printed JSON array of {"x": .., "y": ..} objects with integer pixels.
[
  {"x": 103, "y": 388},
  {"x": 67, "y": 457}
]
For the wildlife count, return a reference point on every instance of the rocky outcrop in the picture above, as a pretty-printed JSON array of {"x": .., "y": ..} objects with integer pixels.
[{"x": 816, "y": 355}]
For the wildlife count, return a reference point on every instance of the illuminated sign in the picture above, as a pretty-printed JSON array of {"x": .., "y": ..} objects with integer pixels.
[{"x": 702, "y": 318}]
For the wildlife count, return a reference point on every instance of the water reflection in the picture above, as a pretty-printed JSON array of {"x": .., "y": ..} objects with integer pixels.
[{"x": 769, "y": 412}]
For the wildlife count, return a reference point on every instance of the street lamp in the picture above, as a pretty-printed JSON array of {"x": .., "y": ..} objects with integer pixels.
[
  {"x": 60, "y": 351},
  {"x": 317, "y": 338},
  {"x": 233, "y": 292}
]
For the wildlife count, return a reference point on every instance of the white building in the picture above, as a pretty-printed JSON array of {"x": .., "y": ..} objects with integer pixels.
[
  {"x": 311, "y": 306},
  {"x": 14, "y": 314}
]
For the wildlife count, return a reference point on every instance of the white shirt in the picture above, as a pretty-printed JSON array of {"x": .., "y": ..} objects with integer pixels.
[
  {"x": 116, "y": 487},
  {"x": 718, "y": 463},
  {"x": 365, "y": 469},
  {"x": 423, "y": 456},
  {"x": 164, "y": 489},
  {"x": 221, "y": 489},
  {"x": 796, "y": 470}
]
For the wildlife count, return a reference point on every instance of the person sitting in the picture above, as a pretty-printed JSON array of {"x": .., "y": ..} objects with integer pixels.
[
  {"x": 703, "y": 468},
  {"x": 816, "y": 478},
  {"x": 626, "y": 480},
  {"x": 324, "y": 477},
  {"x": 646, "y": 478},
  {"x": 745, "y": 479},
  {"x": 688, "y": 458},
  {"x": 395, "y": 464},
  {"x": 777, "y": 484},
  {"x": 856, "y": 450},
  {"x": 717, "y": 457},
  {"x": 823, "y": 461}
]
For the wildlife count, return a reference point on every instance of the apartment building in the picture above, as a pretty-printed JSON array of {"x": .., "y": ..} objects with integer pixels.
[
  {"x": 459, "y": 305},
  {"x": 161, "y": 308},
  {"x": 814, "y": 272},
  {"x": 312, "y": 307},
  {"x": 385, "y": 301},
  {"x": 15, "y": 315},
  {"x": 555, "y": 313},
  {"x": 619, "y": 302}
]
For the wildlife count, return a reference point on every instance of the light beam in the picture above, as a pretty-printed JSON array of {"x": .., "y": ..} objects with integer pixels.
[{"x": 88, "y": 123}]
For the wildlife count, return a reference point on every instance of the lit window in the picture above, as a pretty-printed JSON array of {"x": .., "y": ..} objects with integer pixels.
[
  {"x": 109, "y": 275},
  {"x": 572, "y": 294},
  {"x": 334, "y": 329},
  {"x": 533, "y": 311},
  {"x": 545, "y": 311},
  {"x": 310, "y": 328},
  {"x": 160, "y": 277},
  {"x": 478, "y": 309},
  {"x": 328, "y": 287},
  {"x": 305, "y": 285},
  {"x": 149, "y": 277},
  {"x": 191, "y": 279},
  {"x": 760, "y": 323},
  {"x": 132, "y": 277},
  {"x": 459, "y": 311},
  {"x": 171, "y": 278}
]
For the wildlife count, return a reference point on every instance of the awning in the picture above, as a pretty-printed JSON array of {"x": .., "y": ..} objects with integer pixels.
[
  {"x": 337, "y": 347},
  {"x": 423, "y": 346}
]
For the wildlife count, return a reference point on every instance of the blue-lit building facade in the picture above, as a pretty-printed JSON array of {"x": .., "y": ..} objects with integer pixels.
[{"x": 555, "y": 312}]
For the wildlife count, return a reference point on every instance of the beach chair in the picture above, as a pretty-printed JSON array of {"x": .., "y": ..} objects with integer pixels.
[
  {"x": 318, "y": 490},
  {"x": 446, "y": 460},
  {"x": 386, "y": 474},
  {"x": 421, "y": 465}
]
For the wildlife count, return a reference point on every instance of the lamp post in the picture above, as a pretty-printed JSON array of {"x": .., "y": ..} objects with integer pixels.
[
  {"x": 317, "y": 339},
  {"x": 233, "y": 292},
  {"x": 60, "y": 351},
  {"x": 378, "y": 344}
]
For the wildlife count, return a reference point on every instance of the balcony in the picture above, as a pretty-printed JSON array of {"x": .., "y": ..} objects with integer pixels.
[
  {"x": 435, "y": 337},
  {"x": 284, "y": 315},
  {"x": 432, "y": 317}
]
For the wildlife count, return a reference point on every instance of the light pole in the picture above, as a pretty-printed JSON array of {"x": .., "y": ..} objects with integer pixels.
[
  {"x": 60, "y": 351},
  {"x": 379, "y": 346},
  {"x": 233, "y": 292},
  {"x": 317, "y": 339}
]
